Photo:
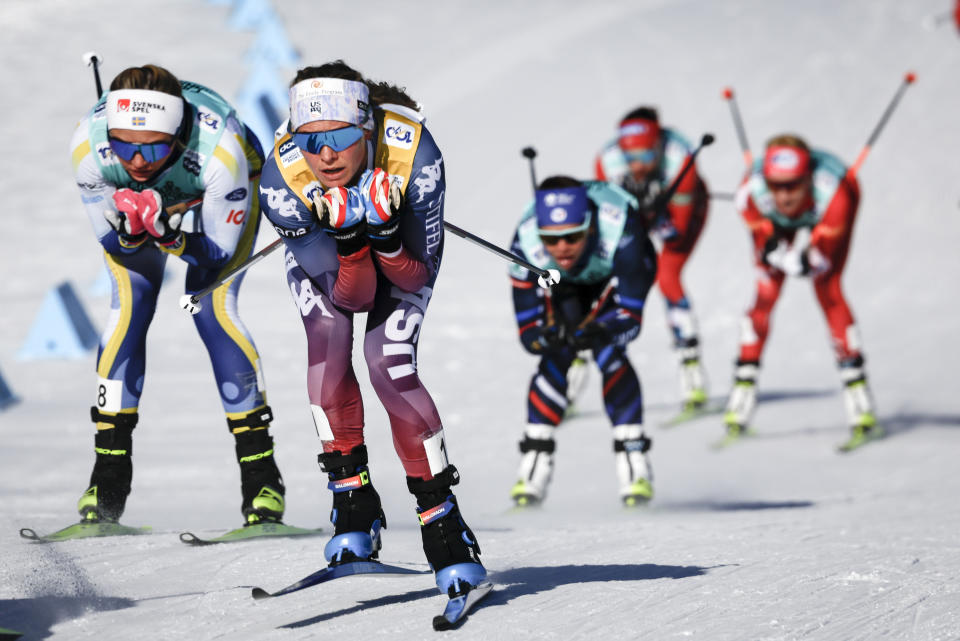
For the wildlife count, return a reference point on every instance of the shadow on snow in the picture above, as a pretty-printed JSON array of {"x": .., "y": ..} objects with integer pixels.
[
  {"x": 36, "y": 617},
  {"x": 517, "y": 582}
]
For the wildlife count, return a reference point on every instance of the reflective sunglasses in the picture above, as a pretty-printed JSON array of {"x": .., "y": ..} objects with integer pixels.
[
  {"x": 337, "y": 139},
  {"x": 789, "y": 185},
  {"x": 151, "y": 152},
  {"x": 645, "y": 156},
  {"x": 570, "y": 239}
]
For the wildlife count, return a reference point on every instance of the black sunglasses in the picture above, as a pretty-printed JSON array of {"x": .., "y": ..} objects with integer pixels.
[{"x": 570, "y": 239}]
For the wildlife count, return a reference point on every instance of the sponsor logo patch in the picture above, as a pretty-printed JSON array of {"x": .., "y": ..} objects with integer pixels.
[
  {"x": 208, "y": 120},
  {"x": 398, "y": 134},
  {"x": 426, "y": 181},
  {"x": 237, "y": 194},
  {"x": 105, "y": 154},
  {"x": 290, "y": 233}
]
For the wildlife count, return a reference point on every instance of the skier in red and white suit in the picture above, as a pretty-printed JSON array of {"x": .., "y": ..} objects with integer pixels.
[
  {"x": 800, "y": 206},
  {"x": 645, "y": 159}
]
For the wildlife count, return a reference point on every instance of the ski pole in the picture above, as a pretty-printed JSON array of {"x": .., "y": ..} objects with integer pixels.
[
  {"x": 91, "y": 59},
  {"x": 547, "y": 277},
  {"x": 721, "y": 195},
  {"x": 191, "y": 302},
  {"x": 738, "y": 124},
  {"x": 662, "y": 199},
  {"x": 530, "y": 153},
  {"x": 908, "y": 80}
]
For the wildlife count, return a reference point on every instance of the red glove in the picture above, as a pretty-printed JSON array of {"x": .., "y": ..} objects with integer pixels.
[
  {"x": 164, "y": 228},
  {"x": 126, "y": 220}
]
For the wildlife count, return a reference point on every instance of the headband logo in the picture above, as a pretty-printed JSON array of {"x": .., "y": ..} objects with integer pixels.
[
  {"x": 123, "y": 104},
  {"x": 552, "y": 199},
  {"x": 785, "y": 159},
  {"x": 315, "y": 106},
  {"x": 558, "y": 215},
  {"x": 317, "y": 84}
]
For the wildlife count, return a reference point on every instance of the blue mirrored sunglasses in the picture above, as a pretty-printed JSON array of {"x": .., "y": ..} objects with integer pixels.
[
  {"x": 337, "y": 139},
  {"x": 646, "y": 156},
  {"x": 151, "y": 152}
]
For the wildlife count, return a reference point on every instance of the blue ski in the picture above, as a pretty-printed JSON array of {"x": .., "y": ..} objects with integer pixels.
[
  {"x": 337, "y": 572},
  {"x": 458, "y": 607}
]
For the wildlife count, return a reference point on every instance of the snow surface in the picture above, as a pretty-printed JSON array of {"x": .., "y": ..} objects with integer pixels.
[{"x": 780, "y": 538}]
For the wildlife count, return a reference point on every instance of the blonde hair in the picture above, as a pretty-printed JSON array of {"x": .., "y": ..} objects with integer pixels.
[{"x": 788, "y": 140}]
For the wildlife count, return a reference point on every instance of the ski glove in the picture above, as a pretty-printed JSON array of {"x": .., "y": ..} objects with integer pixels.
[
  {"x": 381, "y": 202},
  {"x": 341, "y": 214},
  {"x": 125, "y": 220},
  {"x": 553, "y": 338},
  {"x": 164, "y": 227},
  {"x": 792, "y": 261},
  {"x": 590, "y": 336}
]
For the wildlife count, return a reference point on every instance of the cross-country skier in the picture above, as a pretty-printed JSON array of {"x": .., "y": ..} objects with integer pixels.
[
  {"x": 593, "y": 234},
  {"x": 355, "y": 186},
  {"x": 645, "y": 159},
  {"x": 150, "y": 146},
  {"x": 800, "y": 206}
]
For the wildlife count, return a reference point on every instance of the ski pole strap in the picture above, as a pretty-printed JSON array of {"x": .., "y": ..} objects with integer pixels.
[
  {"x": 437, "y": 512},
  {"x": 641, "y": 444},
  {"x": 350, "y": 483},
  {"x": 125, "y": 420},
  {"x": 257, "y": 418}
]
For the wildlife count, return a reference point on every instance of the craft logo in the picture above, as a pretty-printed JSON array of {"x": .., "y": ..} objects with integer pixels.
[
  {"x": 398, "y": 134},
  {"x": 138, "y": 121},
  {"x": 123, "y": 104}
]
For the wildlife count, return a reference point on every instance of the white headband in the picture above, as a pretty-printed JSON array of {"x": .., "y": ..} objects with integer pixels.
[
  {"x": 330, "y": 99},
  {"x": 144, "y": 109}
]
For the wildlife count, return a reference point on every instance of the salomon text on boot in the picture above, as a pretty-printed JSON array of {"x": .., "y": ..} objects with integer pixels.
[
  {"x": 357, "y": 516},
  {"x": 449, "y": 545}
]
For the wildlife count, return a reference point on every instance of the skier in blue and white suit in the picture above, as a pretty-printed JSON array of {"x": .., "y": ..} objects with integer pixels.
[
  {"x": 590, "y": 232},
  {"x": 151, "y": 149}
]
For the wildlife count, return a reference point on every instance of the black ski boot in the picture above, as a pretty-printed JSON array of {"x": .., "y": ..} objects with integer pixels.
[
  {"x": 450, "y": 546},
  {"x": 260, "y": 482},
  {"x": 106, "y": 495},
  {"x": 357, "y": 516}
]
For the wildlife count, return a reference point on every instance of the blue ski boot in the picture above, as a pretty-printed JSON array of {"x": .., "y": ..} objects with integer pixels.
[
  {"x": 357, "y": 517},
  {"x": 450, "y": 546}
]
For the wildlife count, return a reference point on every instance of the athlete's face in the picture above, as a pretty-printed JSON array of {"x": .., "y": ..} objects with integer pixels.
[
  {"x": 139, "y": 168},
  {"x": 792, "y": 197},
  {"x": 335, "y": 168},
  {"x": 565, "y": 249},
  {"x": 641, "y": 163}
]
